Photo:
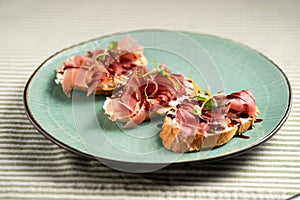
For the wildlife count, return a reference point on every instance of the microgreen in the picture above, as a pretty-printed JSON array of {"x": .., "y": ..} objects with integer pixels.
[
  {"x": 112, "y": 45},
  {"x": 139, "y": 72},
  {"x": 145, "y": 90},
  {"x": 197, "y": 110},
  {"x": 206, "y": 100},
  {"x": 211, "y": 103},
  {"x": 101, "y": 57},
  {"x": 156, "y": 66},
  {"x": 201, "y": 97}
]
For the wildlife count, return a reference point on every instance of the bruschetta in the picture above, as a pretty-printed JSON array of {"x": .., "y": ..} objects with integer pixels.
[
  {"x": 207, "y": 121},
  {"x": 101, "y": 71},
  {"x": 144, "y": 93}
]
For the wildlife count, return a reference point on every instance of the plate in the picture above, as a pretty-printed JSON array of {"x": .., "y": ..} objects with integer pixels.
[{"x": 79, "y": 125}]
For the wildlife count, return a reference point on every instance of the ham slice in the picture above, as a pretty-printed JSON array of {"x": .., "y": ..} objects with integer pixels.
[
  {"x": 143, "y": 94},
  {"x": 131, "y": 45},
  {"x": 79, "y": 72},
  {"x": 138, "y": 118},
  {"x": 67, "y": 84},
  {"x": 242, "y": 102}
]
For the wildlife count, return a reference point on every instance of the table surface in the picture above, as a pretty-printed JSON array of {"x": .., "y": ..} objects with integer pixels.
[{"x": 32, "y": 167}]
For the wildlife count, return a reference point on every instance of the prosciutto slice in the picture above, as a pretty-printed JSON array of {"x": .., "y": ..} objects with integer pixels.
[
  {"x": 142, "y": 95},
  {"x": 80, "y": 72},
  {"x": 242, "y": 102},
  {"x": 130, "y": 45}
]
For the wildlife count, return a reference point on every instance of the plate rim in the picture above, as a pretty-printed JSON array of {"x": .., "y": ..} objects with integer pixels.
[{"x": 197, "y": 161}]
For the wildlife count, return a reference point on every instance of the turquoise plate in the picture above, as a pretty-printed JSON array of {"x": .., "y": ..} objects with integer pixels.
[{"x": 79, "y": 124}]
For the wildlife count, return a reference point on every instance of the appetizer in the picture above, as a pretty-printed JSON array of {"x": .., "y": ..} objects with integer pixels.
[
  {"x": 207, "y": 121},
  {"x": 100, "y": 71}
]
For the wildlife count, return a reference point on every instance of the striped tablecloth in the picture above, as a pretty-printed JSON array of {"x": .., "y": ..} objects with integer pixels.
[{"x": 31, "y": 167}]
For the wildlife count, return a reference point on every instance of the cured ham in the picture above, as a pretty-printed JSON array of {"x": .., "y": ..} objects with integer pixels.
[
  {"x": 207, "y": 122},
  {"x": 143, "y": 94},
  {"x": 81, "y": 72},
  {"x": 242, "y": 102},
  {"x": 101, "y": 70}
]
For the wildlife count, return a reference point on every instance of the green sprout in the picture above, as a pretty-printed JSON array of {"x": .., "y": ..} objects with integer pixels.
[
  {"x": 205, "y": 98},
  {"x": 101, "y": 57},
  {"x": 145, "y": 90},
  {"x": 112, "y": 45},
  {"x": 197, "y": 110}
]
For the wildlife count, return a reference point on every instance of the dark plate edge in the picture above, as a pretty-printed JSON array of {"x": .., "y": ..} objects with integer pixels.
[{"x": 193, "y": 162}]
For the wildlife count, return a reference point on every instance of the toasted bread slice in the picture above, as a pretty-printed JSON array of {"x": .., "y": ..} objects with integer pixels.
[
  {"x": 172, "y": 141},
  {"x": 219, "y": 138}
]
